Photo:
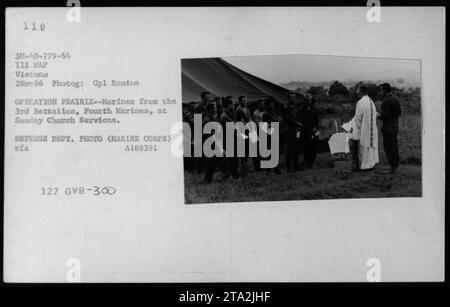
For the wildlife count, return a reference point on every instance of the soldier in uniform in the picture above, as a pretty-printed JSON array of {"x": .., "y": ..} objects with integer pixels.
[
  {"x": 292, "y": 125},
  {"x": 269, "y": 116},
  {"x": 188, "y": 117},
  {"x": 310, "y": 125},
  {"x": 229, "y": 164},
  {"x": 390, "y": 112},
  {"x": 200, "y": 108},
  {"x": 244, "y": 116},
  {"x": 210, "y": 162},
  {"x": 257, "y": 117},
  {"x": 219, "y": 109}
]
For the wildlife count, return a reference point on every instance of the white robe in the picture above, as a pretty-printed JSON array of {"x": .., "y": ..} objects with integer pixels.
[{"x": 365, "y": 130}]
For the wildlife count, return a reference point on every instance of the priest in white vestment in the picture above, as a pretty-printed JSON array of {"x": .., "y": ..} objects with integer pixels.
[{"x": 364, "y": 130}]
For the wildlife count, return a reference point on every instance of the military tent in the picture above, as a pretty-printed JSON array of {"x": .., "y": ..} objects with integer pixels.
[{"x": 220, "y": 78}]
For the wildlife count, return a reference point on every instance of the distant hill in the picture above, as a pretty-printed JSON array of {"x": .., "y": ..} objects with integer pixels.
[{"x": 293, "y": 85}]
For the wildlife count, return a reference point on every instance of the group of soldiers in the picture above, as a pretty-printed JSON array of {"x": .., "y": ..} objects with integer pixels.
[{"x": 298, "y": 130}]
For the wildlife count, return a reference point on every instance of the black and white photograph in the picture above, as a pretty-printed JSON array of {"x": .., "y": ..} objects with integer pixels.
[
  {"x": 349, "y": 127},
  {"x": 224, "y": 145}
]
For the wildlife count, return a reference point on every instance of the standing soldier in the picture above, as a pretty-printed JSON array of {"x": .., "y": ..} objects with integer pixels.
[
  {"x": 210, "y": 162},
  {"x": 269, "y": 116},
  {"x": 188, "y": 118},
  {"x": 291, "y": 125},
  {"x": 390, "y": 112},
  {"x": 257, "y": 117},
  {"x": 242, "y": 112},
  {"x": 219, "y": 109},
  {"x": 200, "y": 108},
  {"x": 244, "y": 116},
  {"x": 310, "y": 125},
  {"x": 229, "y": 164}
]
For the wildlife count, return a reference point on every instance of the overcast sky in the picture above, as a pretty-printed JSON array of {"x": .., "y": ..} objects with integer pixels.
[{"x": 284, "y": 68}]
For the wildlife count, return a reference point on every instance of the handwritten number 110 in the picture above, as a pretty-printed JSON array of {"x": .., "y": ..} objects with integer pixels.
[{"x": 34, "y": 27}]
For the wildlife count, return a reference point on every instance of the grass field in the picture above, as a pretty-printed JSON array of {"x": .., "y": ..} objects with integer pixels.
[{"x": 322, "y": 182}]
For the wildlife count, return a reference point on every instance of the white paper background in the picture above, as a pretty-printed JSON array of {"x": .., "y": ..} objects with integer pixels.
[{"x": 145, "y": 233}]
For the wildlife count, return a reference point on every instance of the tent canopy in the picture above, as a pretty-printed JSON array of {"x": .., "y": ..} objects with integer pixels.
[{"x": 220, "y": 78}]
